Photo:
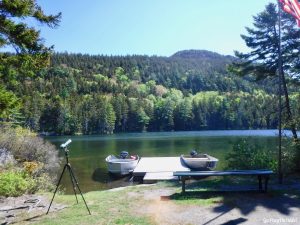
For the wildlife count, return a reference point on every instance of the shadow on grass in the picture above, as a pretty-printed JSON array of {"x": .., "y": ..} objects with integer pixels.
[
  {"x": 230, "y": 222},
  {"x": 35, "y": 218},
  {"x": 243, "y": 197},
  {"x": 246, "y": 202}
]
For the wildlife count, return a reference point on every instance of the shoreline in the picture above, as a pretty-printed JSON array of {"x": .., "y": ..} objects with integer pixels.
[{"x": 246, "y": 131}]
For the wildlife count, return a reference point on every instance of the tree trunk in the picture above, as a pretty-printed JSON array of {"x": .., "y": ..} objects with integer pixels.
[{"x": 288, "y": 108}]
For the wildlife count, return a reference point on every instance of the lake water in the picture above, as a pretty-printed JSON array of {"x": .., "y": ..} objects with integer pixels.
[{"x": 88, "y": 153}]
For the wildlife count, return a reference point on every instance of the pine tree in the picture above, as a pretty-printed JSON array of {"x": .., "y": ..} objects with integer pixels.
[
  {"x": 30, "y": 53},
  {"x": 263, "y": 60}
]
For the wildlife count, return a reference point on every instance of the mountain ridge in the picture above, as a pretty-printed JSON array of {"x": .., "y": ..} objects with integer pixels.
[{"x": 199, "y": 53}]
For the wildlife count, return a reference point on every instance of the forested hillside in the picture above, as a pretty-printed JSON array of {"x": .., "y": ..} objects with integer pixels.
[{"x": 191, "y": 90}]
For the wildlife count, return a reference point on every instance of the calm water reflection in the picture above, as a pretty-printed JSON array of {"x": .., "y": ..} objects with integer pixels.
[{"x": 88, "y": 153}]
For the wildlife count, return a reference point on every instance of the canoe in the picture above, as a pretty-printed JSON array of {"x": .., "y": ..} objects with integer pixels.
[
  {"x": 121, "y": 166},
  {"x": 199, "y": 161}
]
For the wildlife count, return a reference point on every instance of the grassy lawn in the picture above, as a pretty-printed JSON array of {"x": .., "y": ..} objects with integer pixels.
[
  {"x": 115, "y": 207},
  {"x": 132, "y": 205},
  {"x": 107, "y": 207}
]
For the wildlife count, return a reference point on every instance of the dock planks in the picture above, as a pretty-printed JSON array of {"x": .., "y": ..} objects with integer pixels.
[{"x": 158, "y": 168}]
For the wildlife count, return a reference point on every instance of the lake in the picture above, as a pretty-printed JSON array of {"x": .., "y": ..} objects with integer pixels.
[{"x": 88, "y": 153}]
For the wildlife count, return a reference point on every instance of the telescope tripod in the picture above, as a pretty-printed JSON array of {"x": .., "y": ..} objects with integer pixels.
[{"x": 73, "y": 180}]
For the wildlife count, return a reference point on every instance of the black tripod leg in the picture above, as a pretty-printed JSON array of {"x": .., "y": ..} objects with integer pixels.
[
  {"x": 79, "y": 189},
  {"x": 62, "y": 173},
  {"x": 72, "y": 180}
]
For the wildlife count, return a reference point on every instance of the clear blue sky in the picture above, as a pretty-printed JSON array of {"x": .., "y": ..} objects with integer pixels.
[{"x": 149, "y": 27}]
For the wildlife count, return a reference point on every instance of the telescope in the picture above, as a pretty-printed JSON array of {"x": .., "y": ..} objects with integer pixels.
[
  {"x": 72, "y": 175},
  {"x": 64, "y": 145}
]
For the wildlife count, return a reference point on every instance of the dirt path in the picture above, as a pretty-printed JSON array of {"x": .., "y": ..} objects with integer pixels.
[{"x": 235, "y": 208}]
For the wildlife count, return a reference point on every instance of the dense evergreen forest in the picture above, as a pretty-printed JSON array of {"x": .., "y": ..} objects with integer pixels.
[{"x": 190, "y": 90}]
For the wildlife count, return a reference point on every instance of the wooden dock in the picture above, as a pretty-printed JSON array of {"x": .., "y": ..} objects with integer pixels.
[{"x": 152, "y": 169}]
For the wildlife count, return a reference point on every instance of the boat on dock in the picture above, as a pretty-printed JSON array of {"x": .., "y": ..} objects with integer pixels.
[
  {"x": 197, "y": 161},
  {"x": 122, "y": 165}
]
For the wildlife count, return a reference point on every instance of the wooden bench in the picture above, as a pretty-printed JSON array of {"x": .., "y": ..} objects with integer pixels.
[{"x": 261, "y": 174}]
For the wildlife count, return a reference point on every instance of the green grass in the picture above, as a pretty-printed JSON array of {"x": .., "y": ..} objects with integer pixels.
[
  {"x": 107, "y": 207},
  {"x": 200, "y": 193},
  {"x": 208, "y": 192},
  {"x": 119, "y": 206},
  {"x": 196, "y": 199}
]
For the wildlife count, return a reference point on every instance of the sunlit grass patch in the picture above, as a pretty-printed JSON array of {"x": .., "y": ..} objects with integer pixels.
[
  {"x": 196, "y": 198},
  {"x": 107, "y": 207}
]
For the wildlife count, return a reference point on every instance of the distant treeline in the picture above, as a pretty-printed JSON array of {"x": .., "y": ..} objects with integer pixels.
[{"x": 101, "y": 94}]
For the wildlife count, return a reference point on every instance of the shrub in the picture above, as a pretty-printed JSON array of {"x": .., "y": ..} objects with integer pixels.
[
  {"x": 290, "y": 155},
  {"x": 16, "y": 183},
  {"x": 26, "y": 146},
  {"x": 245, "y": 155},
  {"x": 6, "y": 158},
  {"x": 30, "y": 167},
  {"x": 37, "y": 158}
]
